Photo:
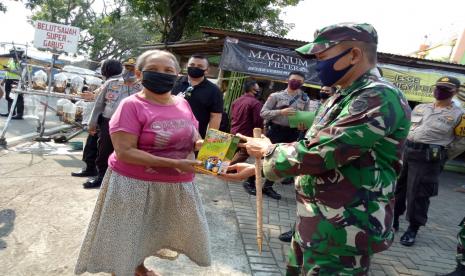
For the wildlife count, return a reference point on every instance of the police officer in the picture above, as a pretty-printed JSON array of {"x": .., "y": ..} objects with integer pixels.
[
  {"x": 276, "y": 111},
  {"x": 325, "y": 93},
  {"x": 116, "y": 88},
  {"x": 348, "y": 162},
  {"x": 431, "y": 134},
  {"x": 13, "y": 74}
]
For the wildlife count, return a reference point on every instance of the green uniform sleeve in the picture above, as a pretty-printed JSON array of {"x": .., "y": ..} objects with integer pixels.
[{"x": 361, "y": 123}]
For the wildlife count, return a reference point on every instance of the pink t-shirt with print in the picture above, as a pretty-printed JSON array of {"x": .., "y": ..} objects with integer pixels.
[{"x": 162, "y": 130}]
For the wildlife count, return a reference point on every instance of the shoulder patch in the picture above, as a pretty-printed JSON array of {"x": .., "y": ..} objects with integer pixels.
[
  {"x": 359, "y": 105},
  {"x": 460, "y": 128}
]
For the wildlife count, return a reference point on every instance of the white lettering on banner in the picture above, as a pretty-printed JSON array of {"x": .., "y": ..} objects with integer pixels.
[
  {"x": 277, "y": 61},
  {"x": 278, "y": 58},
  {"x": 56, "y": 37}
]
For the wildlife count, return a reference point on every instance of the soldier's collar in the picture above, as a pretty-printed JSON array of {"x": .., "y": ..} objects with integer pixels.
[{"x": 359, "y": 83}]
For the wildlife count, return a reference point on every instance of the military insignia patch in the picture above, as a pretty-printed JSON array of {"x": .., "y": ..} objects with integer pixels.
[{"x": 358, "y": 106}]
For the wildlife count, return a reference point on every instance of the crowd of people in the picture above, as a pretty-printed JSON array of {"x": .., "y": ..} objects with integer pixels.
[{"x": 366, "y": 159}]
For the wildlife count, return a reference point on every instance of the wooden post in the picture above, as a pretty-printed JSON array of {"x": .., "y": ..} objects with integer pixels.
[{"x": 257, "y": 133}]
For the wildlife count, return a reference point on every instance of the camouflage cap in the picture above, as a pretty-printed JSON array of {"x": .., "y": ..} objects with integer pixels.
[
  {"x": 130, "y": 62},
  {"x": 448, "y": 81},
  {"x": 330, "y": 36}
]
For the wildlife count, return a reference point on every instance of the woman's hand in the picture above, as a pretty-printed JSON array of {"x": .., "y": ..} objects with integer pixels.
[
  {"x": 238, "y": 171},
  {"x": 256, "y": 147},
  {"x": 198, "y": 144},
  {"x": 186, "y": 165}
]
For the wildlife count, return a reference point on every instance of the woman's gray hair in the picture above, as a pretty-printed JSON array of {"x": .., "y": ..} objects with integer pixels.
[{"x": 142, "y": 59}]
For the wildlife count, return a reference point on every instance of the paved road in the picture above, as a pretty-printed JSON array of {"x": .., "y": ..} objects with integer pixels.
[
  {"x": 433, "y": 253},
  {"x": 44, "y": 212}
]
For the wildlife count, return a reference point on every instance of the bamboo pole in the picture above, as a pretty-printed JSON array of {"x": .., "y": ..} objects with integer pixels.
[{"x": 257, "y": 133}]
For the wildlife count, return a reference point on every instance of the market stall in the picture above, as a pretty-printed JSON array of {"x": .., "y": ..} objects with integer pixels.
[{"x": 39, "y": 83}]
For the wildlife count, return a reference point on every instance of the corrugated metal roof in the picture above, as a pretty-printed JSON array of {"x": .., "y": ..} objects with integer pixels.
[
  {"x": 209, "y": 29},
  {"x": 210, "y": 45}
]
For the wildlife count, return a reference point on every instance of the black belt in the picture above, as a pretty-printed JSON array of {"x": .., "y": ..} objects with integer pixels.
[
  {"x": 280, "y": 127},
  {"x": 421, "y": 146}
]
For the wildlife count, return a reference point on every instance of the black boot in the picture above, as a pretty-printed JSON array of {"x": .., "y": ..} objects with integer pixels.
[
  {"x": 286, "y": 236},
  {"x": 93, "y": 183},
  {"x": 249, "y": 188},
  {"x": 85, "y": 172},
  {"x": 271, "y": 193},
  {"x": 408, "y": 238},
  {"x": 459, "y": 271}
]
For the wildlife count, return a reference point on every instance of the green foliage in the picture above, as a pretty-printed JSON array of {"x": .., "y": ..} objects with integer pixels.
[
  {"x": 103, "y": 35},
  {"x": 177, "y": 19},
  {"x": 129, "y": 24}
]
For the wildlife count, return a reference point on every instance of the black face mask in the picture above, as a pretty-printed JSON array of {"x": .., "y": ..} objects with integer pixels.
[
  {"x": 324, "y": 95},
  {"x": 158, "y": 83},
  {"x": 195, "y": 72}
]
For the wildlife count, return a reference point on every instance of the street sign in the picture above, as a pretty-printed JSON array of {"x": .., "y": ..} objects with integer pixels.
[{"x": 56, "y": 37}]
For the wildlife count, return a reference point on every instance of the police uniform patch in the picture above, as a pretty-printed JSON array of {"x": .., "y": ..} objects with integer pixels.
[
  {"x": 358, "y": 106},
  {"x": 460, "y": 128}
]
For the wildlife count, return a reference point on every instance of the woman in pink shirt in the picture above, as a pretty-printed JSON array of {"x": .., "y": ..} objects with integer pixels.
[{"x": 148, "y": 203}]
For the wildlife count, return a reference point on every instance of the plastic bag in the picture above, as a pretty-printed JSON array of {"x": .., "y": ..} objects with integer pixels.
[
  {"x": 60, "y": 81},
  {"x": 77, "y": 83},
  {"x": 39, "y": 80}
]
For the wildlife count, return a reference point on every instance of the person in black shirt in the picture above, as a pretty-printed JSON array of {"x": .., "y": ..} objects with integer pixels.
[{"x": 204, "y": 97}]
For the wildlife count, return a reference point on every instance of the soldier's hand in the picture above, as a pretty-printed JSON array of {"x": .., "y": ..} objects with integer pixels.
[
  {"x": 287, "y": 111},
  {"x": 238, "y": 171},
  {"x": 256, "y": 147}
]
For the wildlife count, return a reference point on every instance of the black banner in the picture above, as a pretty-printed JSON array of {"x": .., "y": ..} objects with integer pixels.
[{"x": 260, "y": 60}]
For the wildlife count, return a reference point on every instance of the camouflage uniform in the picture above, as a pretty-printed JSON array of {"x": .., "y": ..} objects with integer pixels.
[
  {"x": 347, "y": 168},
  {"x": 460, "y": 269},
  {"x": 461, "y": 244}
]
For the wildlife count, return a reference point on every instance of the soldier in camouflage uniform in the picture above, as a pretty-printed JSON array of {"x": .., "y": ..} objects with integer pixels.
[
  {"x": 460, "y": 270},
  {"x": 348, "y": 162}
]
